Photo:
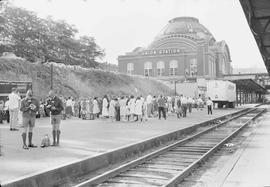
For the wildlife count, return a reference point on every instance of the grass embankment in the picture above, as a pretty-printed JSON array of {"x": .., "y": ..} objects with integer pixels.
[{"x": 77, "y": 81}]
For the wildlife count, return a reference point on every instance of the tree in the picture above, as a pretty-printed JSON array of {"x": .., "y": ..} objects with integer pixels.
[{"x": 32, "y": 38}]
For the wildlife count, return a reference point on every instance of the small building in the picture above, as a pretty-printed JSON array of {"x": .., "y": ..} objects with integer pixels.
[{"x": 184, "y": 48}]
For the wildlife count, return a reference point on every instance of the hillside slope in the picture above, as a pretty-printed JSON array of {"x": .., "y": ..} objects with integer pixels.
[{"x": 75, "y": 81}]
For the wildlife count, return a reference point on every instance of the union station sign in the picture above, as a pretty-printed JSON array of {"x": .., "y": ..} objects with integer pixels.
[{"x": 162, "y": 51}]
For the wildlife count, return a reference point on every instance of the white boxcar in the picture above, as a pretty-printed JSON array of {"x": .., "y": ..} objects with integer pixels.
[{"x": 222, "y": 92}]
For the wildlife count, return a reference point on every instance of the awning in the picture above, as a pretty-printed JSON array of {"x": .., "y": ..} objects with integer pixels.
[
  {"x": 257, "y": 13},
  {"x": 249, "y": 85}
]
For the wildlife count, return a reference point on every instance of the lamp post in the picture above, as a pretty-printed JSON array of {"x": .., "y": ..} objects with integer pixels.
[
  {"x": 51, "y": 76},
  {"x": 175, "y": 87}
]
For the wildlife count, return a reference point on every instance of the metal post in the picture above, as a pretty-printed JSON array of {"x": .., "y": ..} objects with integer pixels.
[
  {"x": 175, "y": 87},
  {"x": 240, "y": 91},
  {"x": 237, "y": 92},
  {"x": 51, "y": 76}
]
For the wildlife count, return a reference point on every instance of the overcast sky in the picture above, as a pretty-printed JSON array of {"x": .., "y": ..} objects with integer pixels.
[{"x": 119, "y": 26}]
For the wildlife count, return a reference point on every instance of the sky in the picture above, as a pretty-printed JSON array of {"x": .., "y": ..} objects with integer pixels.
[{"x": 119, "y": 26}]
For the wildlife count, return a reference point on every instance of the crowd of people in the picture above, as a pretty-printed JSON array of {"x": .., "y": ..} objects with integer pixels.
[
  {"x": 22, "y": 112},
  {"x": 129, "y": 108}
]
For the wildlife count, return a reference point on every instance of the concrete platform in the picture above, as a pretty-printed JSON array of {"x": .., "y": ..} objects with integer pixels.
[
  {"x": 81, "y": 139},
  {"x": 252, "y": 169},
  {"x": 244, "y": 164}
]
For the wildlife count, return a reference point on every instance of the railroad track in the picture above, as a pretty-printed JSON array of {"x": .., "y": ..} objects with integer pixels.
[{"x": 170, "y": 165}]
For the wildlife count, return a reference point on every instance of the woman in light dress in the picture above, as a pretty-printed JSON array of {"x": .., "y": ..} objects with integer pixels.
[
  {"x": 138, "y": 109},
  {"x": 127, "y": 109},
  {"x": 123, "y": 108},
  {"x": 112, "y": 109},
  {"x": 105, "y": 107},
  {"x": 69, "y": 107},
  {"x": 144, "y": 110},
  {"x": 95, "y": 108},
  {"x": 131, "y": 106},
  {"x": 90, "y": 108}
]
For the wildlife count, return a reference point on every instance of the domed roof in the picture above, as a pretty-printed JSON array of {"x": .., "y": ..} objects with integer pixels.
[{"x": 185, "y": 25}]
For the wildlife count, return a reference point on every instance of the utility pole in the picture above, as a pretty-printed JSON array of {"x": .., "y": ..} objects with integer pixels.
[
  {"x": 175, "y": 87},
  {"x": 51, "y": 76}
]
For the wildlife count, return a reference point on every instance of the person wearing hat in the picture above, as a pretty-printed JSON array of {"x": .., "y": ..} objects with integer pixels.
[
  {"x": 29, "y": 108},
  {"x": 55, "y": 105}
]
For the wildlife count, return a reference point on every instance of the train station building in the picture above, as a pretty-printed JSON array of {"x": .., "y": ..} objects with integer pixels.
[{"x": 184, "y": 48}]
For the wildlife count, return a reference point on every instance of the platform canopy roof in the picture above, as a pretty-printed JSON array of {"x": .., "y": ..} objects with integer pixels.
[
  {"x": 249, "y": 85},
  {"x": 257, "y": 13}
]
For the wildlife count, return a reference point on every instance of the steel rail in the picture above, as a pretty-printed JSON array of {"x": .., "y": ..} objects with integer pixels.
[
  {"x": 112, "y": 173},
  {"x": 180, "y": 177}
]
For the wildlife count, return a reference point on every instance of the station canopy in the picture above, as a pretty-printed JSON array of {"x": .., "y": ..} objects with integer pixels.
[
  {"x": 249, "y": 85},
  {"x": 257, "y": 13}
]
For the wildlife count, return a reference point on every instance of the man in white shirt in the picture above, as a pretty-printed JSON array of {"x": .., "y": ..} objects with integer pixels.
[
  {"x": 149, "y": 101},
  {"x": 14, "y": 102},
  {"x": 190, "y": 101},
  {"x": 209, "y": 104},
  {"x": 184, "y": 103}
]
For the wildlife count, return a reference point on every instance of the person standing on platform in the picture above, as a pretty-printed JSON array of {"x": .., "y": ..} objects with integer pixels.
[
  {"x": 184, "y": 103},
  {"x": 69, "y": 108},
  {"x": 123, "y": 108},
  {"x": 112, "y": 109},
  {"x": 95, "y": 108},
  {"x": 29, "y": 107},
  {"x": 105, "y": 107},
  {"x": 177, "y": 106},
  {"x": 144, "y": 111},
  {"x": 117, "y": 110},
  {"x": 14, "y": 103},
  {"x": 155, "y": 106},
  {"x": 138, "y": 109},
  {"x": 55, "y": 105},
  {"x": 149, "y": 101},
  {"x": 209, "y": 104},
  {"x": 131, "y": 105},
  {"x": 6, "y": 109},
  {"x": 200, "y": 102},
  {"x": 190, "y": 102},
  {"x": 1, "y": 111},
  {"x": 161, "y": 107}
]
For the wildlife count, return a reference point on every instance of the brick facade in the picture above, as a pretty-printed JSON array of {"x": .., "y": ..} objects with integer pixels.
[{"x": 185, "y": 48}]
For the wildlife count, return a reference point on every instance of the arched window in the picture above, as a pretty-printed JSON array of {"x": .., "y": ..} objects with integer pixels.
[
  {"x": 148, "y": 70},
  {"x": 130, "y": 68},
  {"x": 193, "y": 67},
  {"x": 173, "y": 67},
  {"x": 160, "y": 68}
]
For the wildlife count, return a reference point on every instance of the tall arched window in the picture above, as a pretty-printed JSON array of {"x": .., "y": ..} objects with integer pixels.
[
  {"x": 148, "y": 70},
  {"x": 160, "y": 68},
  {"x": 130, "y": 68},
  {"x": 173, "y": 67},
  {"x": 193, "y": 67}
]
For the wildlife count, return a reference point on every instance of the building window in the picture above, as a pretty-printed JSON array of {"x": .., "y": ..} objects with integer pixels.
[
  {"x": 160, "y": 68},
  {"x": 173, "y": 67},
  {"x": 214, "y": 68},
  {"x": 223, "y": 66},
  {"x": 148, "y": 70},
  {"x": 130, "y": 68},
  {"x": 210, "y": 68},
  {"x": 193, "y": 67}
]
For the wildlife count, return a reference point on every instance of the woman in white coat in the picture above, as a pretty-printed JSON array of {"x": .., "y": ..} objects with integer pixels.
[
  {"x": 95, "y": 107},
  {"x": 138, "y": 109},
  {"x": 131, "y": 106},
  {"x": 105, "y": 107},
  {"x": 123, "y": 108},
  {"x": 112, "y": 109}
]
